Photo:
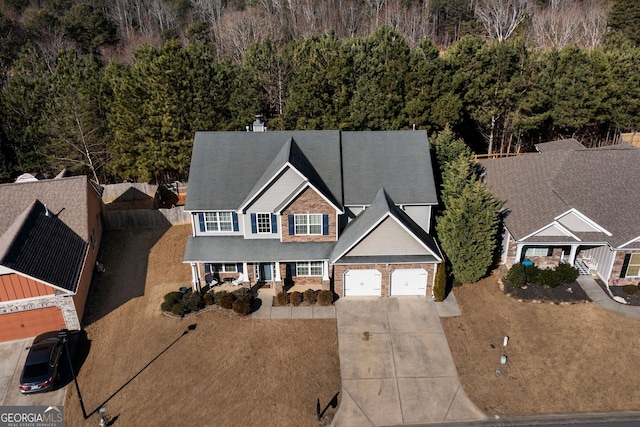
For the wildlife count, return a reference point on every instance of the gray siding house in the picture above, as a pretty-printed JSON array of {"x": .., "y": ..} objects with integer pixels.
[{"x": 346, "y": 211}]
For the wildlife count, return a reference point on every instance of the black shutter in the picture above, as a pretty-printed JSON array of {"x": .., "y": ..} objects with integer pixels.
[{"x": 625, "y": 265}]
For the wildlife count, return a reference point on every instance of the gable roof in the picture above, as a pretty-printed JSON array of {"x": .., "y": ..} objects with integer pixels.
[
  {"x": 597, "y": 182},
  {"x": 42, "y": 246},
  {"x": 66, "y": 197},
  {"x": 381, "y": 208},
  {"x": 292, "y": 155},
  {"x": 229, "y": 168},
  {"x": 560, "y": 145}
]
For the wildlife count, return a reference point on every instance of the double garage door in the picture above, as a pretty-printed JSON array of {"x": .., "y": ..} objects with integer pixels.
[
  {"x": 25, "y": 324},
  {"x": 410, "y": 281}
]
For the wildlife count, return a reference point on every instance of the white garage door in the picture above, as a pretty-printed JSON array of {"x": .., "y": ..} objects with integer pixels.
[
  {"x": 362, "y": 283},
  {"x": 411, "y": 281}
]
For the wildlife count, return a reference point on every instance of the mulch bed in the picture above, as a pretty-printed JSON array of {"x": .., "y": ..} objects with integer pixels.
[
  {"x": 618, "y": 291},
  {"x": 569, "y": 293}
]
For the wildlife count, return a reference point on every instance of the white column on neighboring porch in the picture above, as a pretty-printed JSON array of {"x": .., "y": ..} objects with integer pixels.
[
  {"x": 518, "y": 257},
  {"x": 194, "y": 276},
  {"x": 278, "y": 278},
  {"x": 325, "y": 270},
  {"x": 245, "y": 275},
  {"x": 572, "y": 254}
]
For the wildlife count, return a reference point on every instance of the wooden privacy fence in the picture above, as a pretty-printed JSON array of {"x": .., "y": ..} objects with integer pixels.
[{"x": 145, "y": 218}]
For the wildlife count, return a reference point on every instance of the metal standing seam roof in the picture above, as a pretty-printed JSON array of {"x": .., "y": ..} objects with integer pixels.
[
  {"x": 227, "y": 167},
  {"x": 381, "y": 206},
  {"x": 45, "y": 248},
  {"x": 598, "y": 182}
]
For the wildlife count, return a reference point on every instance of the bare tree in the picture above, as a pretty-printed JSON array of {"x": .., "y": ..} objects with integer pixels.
[
  {"x": 557, "y": 24},
  {"x": 594, "y": 23},
  {"x": 500, "y": 18},
  {"x": 208, "y": 11}
]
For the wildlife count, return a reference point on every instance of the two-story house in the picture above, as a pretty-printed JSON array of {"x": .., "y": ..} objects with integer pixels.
[{"x": 347, "y": 211}]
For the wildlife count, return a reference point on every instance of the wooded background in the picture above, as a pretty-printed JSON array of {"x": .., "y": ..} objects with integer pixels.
[{"x": 116, "y": 89}]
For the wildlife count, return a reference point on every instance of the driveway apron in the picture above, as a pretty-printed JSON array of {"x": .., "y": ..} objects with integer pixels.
[{"x": 396, "y": 365}]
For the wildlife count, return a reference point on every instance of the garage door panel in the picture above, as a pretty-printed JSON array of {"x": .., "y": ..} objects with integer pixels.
[
  {"x": 410, "y": 281},
  {"x": 25, "y": 324},
  {"x": 363, "y": 283}
]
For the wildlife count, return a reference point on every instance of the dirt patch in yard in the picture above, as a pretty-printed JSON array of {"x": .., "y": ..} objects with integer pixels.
[
  {"x": 146, "y": 371},
  {"x": 560, "y": 358}
]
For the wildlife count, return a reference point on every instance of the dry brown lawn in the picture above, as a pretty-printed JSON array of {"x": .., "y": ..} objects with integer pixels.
[
  {"x": 561, "y": 358},
  {"x": 226, "y": 372}
]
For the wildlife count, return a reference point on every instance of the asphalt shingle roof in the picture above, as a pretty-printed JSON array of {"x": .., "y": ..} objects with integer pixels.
[
  {"x": 45, "y": 248},
  {"x": 598, "y": 182},
  {"x": 227, "y": 167}
]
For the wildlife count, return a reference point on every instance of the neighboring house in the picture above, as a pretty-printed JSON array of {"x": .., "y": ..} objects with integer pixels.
[
  {"x": 347, "y": 211},
  {"x": 572, "y": 204},
  {"x": 50, "y": 232}
]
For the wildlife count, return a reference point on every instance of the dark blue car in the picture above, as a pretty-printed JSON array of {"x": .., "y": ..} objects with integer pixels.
[{"x": 41, "y": 367}]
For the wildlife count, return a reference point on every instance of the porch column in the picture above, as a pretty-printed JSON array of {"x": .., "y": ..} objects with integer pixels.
[
  {"x": 194, "y": 276},
  {"x": 518, "y": 256},
  {"x": 245, "y": 276},
  {"x": 325, "y": 270},
  {"x": 572, "y": 254},
  {"x": 277, "y": 278}
]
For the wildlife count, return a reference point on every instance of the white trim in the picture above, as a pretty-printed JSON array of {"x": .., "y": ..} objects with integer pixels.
[
  {"x": 297, "y": 191},
  {"x": 382, "y": 218},
  {"x": 629, "y": 242},
  {"x": 585, "y": 219},
  {"x": 243, "y": 206}
]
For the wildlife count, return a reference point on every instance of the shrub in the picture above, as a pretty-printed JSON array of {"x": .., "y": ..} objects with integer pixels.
[
  {"x": 549, "y": 277},
  {"x": 166, "y": 306},
  {"x": 177, "y": 309},
  {"x": 566, "y": 273},
  {"x": 226, "y": 300},
  {"x": 242, "y": 306},
  {"x": 208, "y": 299},
  {"x": 311, "y": 296},
  {"x": 295, "y": 298},
  {"x": 243, "y": 293},
  {"x": 282, "y": 298},
  {"x": 325, "y": 298},
  {"x": 515, "y": 277},
  {"x": 440, "y": 285},
  {"x": 173, "y": 297},
  {"x": 192, "y": 301},
  {"x": 630, "y": 289}
]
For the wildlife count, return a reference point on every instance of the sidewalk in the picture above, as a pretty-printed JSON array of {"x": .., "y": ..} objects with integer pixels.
[{"x": 600, "y": 297}]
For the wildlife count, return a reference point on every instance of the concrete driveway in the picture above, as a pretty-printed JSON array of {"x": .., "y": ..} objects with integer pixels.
[
  {"x": 396, "y": 365},
  {"x": 12, "y": 357}
]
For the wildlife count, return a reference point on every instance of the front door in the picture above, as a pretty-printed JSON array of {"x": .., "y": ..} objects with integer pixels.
[{"x": 265, "y": 273}]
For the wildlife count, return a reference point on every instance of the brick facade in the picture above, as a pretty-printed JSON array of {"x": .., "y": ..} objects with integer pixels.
[
  {"x": 386, "y": 270},
  {"x": 309, "y": 202}
]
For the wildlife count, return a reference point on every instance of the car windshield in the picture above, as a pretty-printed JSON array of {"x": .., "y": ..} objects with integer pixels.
[{"x": 34, "y": 371}]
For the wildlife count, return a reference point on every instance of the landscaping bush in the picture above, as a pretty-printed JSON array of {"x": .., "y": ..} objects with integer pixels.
[
  {"x": 282, "y": 298},
  {"x": 548, "y": 277},
  {"x": 295, "y": 298},
  {"x": 630, "y": 289},
  {"x": 166, "y": 306},
  {"x": 325, "y": 298},
  {"x": 226, "y": 300},
  {"x": 566, "y": 273},
  {"x": 311, "y": 296},
  {"x": 243, "y": 293},
  {"x": 516, "y": 277},
  {"x": 208, "y": 299},
  {"x": 440, "y": 285},
  {"x": 242, "y": 306},
  {"x": 178, "y": 309},
  {"x": 192, "y": 301}
]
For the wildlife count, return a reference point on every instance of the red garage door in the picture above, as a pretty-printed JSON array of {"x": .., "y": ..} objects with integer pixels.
[{"x": 25, "y": 324}]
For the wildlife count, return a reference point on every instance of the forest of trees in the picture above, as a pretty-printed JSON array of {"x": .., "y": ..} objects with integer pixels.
[{"x": 116, "y": 89}]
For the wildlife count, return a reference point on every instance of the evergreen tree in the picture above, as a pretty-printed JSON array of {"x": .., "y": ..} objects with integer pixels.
[
  {"x": 448, "y": 148},
  {"x": 624, "y": 16},
  {"x": 467, "y": 231}
]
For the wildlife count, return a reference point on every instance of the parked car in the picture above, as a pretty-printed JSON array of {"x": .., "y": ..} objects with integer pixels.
[{"x": 41, "y": 366}]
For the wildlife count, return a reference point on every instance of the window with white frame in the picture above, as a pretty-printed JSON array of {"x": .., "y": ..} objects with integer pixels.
[
  {"x": 218, "y": 221},
  {"x": 226, "y": 268},
  {"x": 536, "y": 251},
  {"x": 264, "y": 222},
  {"x": 633, "y": 269},
  {"x": 308, "y": 223},
  {"x": 309, "y": 268}
]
